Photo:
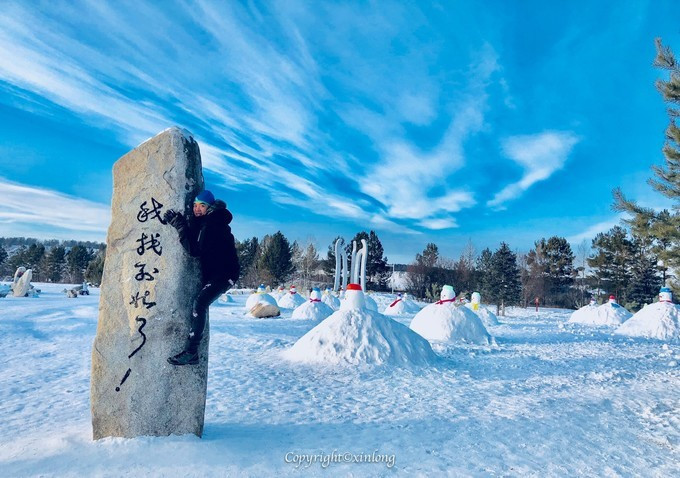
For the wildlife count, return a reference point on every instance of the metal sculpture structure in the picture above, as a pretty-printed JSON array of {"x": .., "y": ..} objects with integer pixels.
[{"x": 358, "y": 263}]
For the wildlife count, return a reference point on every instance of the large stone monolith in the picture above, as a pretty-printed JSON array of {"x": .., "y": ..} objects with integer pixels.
[{"x": 147, "y": 289}]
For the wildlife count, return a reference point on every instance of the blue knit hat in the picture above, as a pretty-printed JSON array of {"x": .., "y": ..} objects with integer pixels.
[{"x": 206, "y": 197}]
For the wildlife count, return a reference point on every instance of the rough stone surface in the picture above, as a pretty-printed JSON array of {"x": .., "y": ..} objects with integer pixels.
[
  {"x": 146, "y": 295},
  {"x": 262, "y": 310}
]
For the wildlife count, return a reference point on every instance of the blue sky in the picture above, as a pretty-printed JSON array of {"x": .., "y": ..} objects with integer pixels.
[{"x": 425, "y": 121}]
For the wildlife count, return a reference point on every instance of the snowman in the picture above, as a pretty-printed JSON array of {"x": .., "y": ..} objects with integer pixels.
[
  {"x": 489, "y": 319},
  {"x": 611, "y": 313},
  {"x": 355, "y": 336},
  {"x": 660, "y": 320},
  {"x": 447, "y": 322},
  {"x": 314, "y": 308},
  {"x": 586, "y": 314},
  {"x": 397, "y": 307},
  {"x": 291, "y": 299},
  {"x": 330, "y": 300}
]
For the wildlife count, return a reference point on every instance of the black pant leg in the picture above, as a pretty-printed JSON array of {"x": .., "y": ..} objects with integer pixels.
[{"x": 205, "y": 297}]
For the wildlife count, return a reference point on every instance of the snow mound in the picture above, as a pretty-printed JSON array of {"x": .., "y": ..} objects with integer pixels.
[
  {"x": 449, "y": 323},
  {"x": 660, "y": 320},
  {"x": 371, "y": 303},
  {"x": 331, "y": 301},
  {"x": 487, "y": 317},
  {"x": 259, "y": 298},
  {"x": 606, "y": 314},
  {"x": 361, "y": 336},
  {"x": 312, "y": 311},
  {"x": 226, "y": 299},
  {"x": 401, "y": 307},
  {"x": 290, "y": 301},
  {"x": 585, "y": 315}
]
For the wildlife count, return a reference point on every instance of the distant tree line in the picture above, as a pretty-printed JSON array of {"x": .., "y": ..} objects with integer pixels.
[
  {"x": 618, "y": 262},
  {"x": 274, "y": 260},
  {"x": 53, "y": 260}
]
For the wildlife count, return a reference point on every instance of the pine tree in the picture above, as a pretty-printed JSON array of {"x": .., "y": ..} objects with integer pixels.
[
  {"x": 484, "y": 268},
  {"x": 55, "y": 264},
  {"x": 15, "y": 260},
  {"x": 76, "y": 263},
  {"x": 33, "y": 259},
  {"x": 248, "y": 254},
  {"x": 662, "y": 228},
  {"x": 504, "y": 281},
  {"x": 645, "y": 280},
  {"x": 276, "y": 261},
  {"x": 610, "y": 262},
  {"x": 560, "y": 259},
  {"x": 535, "y": 275},
  {"x": 3, "y": 258},
  {"x": 95, "y": 268},
  {"x": 376, "y": 263}
]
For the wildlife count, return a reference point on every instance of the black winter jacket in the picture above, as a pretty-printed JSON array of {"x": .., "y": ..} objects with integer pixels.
[{"x": 209, "y": 238}]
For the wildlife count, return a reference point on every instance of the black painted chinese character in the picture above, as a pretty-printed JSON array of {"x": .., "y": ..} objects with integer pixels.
[
  {"x": 149, "y": 242},
  {"x": 142, "y": 274},
  {"x": 142, "y": 322},
  {"x": 154, "y": 213},
  {"x": 136, "y": 298}
]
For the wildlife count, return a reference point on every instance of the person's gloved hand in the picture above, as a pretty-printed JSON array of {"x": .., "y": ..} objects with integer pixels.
[{"x": 173, "y": 218}]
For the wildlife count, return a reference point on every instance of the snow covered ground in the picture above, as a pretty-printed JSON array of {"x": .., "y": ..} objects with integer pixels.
[{"x": 552, "y": 399}]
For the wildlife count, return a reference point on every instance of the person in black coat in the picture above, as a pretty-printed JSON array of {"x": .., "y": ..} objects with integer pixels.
[{"x": 208, "y": 237}]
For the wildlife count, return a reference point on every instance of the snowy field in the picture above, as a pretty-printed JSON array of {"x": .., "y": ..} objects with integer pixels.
[{"x": 551, "y": 400}]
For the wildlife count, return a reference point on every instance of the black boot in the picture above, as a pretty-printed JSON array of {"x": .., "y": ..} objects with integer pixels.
[{"x": 185, "y": 357}]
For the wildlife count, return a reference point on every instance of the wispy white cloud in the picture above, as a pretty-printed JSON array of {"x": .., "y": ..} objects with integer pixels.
[
  {"x": 436, "y": 224},
  {"x": 23, "y": 207},
  {"x": 406, "y": 172},
  {"x": 257, "y": 93},
  {"x": 592, "y": 231},
  {"x": 540, "y": 155}
]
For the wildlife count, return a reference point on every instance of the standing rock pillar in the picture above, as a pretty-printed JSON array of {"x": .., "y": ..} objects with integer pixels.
[{"x": 147, "y": 289}]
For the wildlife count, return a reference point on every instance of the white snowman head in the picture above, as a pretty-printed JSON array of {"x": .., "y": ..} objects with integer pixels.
[
  {"x": 354, "y": 298},
  {"x": 447, "y": 293},
  {"x": 665, "y": 295},
  {"x": 476, "y": 298}
]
